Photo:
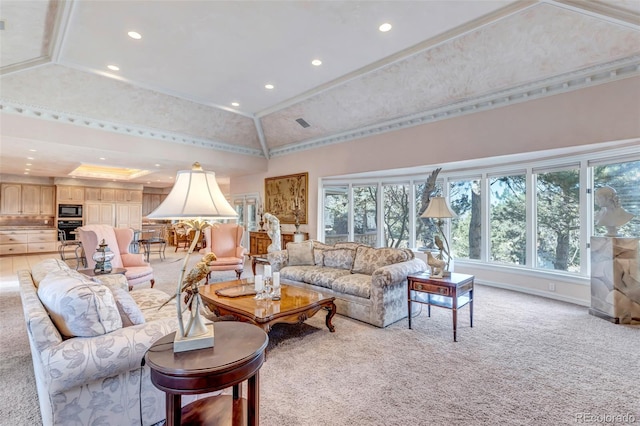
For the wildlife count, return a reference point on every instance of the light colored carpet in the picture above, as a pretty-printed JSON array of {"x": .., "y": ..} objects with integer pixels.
[{"x": 527, "y": 361}]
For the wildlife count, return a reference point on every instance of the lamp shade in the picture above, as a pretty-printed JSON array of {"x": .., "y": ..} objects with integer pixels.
[
  {"x": 195, "y": 194},
  {"x": 438, "y": 208}
]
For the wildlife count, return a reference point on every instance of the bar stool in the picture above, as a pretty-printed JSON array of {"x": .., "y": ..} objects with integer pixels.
[
  {"x": 157, "y": 243},
  {"x": 76, "y": 246}
]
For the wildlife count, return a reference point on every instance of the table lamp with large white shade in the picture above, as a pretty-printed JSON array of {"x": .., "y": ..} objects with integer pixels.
[{"x": 194, "y": 199}]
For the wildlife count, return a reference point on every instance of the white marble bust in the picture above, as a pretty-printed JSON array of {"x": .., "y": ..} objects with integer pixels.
[
  {"x": 610, "y": 215},
  {"x": 273, "y": 231}
]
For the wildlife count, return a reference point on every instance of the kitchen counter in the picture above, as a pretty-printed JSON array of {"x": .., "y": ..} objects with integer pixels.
[{"x": 26, "y": 227}]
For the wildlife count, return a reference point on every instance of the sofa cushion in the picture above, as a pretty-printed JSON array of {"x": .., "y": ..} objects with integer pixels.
[
  {"x": 354, "y": 284},
  {"x": 112, "y": 280},
  {"x": 40, "y": 270},
  {"x": 347, "y": 244},
  {"x": 368, "y": 259},
  {"x": 295, "y": 273},
  {"x": 323, "y": 276},
  {"x": 130, "y": 313},
  {"x": 300, "y": 253},
  {"x": 78, "y": 306},
  {"x": 339, "y": 258}
]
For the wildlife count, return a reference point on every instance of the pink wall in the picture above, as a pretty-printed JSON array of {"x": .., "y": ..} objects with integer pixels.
[{"x": 603, "y": 113}]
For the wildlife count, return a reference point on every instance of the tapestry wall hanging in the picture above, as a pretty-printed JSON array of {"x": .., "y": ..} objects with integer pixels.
[{"x": 287, "y": 195}]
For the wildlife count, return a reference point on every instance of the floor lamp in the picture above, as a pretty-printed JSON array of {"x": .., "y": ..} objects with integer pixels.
[
  {"x": 439, "y": 209},
  {"x": 194, "y": 199}
]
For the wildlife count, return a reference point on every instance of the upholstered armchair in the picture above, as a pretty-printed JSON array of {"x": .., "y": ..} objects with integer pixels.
[
  {"x": 225, "y": 241},
  {"x": 118, "y": 240}
]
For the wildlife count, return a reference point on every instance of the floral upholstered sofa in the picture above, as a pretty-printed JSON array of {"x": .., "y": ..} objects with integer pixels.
[
  {"x": 369, "y": 284},
  {"x": 88, "y": 339}
]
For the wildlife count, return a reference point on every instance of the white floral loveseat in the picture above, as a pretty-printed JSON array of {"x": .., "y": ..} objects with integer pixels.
[
  {"x": 88, "y": 340},
  {"x": 369, "y": 284}
]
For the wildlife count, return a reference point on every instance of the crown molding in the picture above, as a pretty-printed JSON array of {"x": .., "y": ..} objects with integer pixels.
[
  {"x": 592, "y": 76},
  {"x": 8, "y": 106}
]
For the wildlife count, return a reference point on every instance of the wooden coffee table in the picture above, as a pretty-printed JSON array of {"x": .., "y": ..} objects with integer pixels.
[{"x": 295, "y": 306}]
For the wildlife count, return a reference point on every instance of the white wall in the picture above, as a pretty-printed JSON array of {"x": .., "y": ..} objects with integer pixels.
[{"x": 603, "y": 113}]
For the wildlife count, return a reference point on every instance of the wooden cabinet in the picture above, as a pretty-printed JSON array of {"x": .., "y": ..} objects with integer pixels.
[
  {"x": 11, "y": 200},
  {"x": 69, "y": 194},
  {"x": 42, "y": 241},
  {"x": 150, "y": 202},
  {"x": 99, "y": 214},
  {"x": 129, "y": 215},
  {"x": 34, "y": 200},
  {"x": 28, "y": 241},
  {"x": 128, "y": 196},
  {"x": 100, "y": 194},
  {"x": 259, "y": 241}
]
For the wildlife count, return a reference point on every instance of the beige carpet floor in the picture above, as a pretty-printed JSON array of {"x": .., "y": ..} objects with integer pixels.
[{"x": 527, "y": 361}]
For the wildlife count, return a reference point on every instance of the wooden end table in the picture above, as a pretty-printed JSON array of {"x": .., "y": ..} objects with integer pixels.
[
  {"x": 237, "y": 355},
  {"x": 452, "y": 292},
  {"x": 258, "y": 259}
]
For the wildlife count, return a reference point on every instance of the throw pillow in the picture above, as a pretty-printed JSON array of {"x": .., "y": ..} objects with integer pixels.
[
  {"x": 368, "y": 259},
  {"x": 300, "y": 253},
  {"x": 341, "y": 258},
  {"x": 78, "y": 306},
  {"x": 39, "y": 271},
  {"x": 130, "y": 313},
  {"x": 112, "y": 280}
]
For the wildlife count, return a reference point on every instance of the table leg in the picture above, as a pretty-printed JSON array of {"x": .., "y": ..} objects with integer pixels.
[
  {"x": 173, "y": 409},
  {"x": 253, "y": 266},
  {"x": 455, "y": 321},
  {"x": 253, "y": 400},
  {"x": 331, "y": 312},
  {"x": 471, "y": 307},
  {"x": 409, "y": 311},
  {"x": 237, "y": 391}
]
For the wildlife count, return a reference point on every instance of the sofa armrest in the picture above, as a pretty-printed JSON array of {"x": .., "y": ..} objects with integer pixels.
[
  {"x": 77, "y": 361},
  {"x": 396, "y": 273},
  {"x": 278, "y": 259},
  {"x": 133, "y": 259}
]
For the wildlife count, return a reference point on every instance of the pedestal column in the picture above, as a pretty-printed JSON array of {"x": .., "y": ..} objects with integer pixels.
[{"x": 615, "y": 279}]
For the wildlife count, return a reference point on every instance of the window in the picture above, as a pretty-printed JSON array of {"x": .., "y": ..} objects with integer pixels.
[
  {"x": 508, "y": 221},
  {"x": 365, "y": 214},
  {"x": 336, "y": 207},
  {"x": 396, "y": 215},
  {"x": 624, "y": 178},
  {"x": 466, "y": 230},
  {"x": 558, "y": 220}
]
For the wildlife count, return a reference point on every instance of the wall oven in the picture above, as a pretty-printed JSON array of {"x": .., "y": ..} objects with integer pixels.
[
  {"x": 70, "y": 210},
  {"x": 68, "y": 226}
]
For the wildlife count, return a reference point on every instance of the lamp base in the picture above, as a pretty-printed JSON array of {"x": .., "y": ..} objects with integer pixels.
[{"x": 203, "y": 341}]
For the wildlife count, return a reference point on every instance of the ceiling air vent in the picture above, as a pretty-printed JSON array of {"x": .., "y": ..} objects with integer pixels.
[{"x": 303, "y": 123}]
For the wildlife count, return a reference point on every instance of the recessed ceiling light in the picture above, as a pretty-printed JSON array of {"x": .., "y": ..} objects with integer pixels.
[
  {"x": 269, "y": 86},
  {"x": 28, "y": 170},
  {"x": 385, "y": 27},
  {"x": 157, "y": 165},
  {"x": 316, "y": 62},
  {"x": 33, "y": 150},
  {"x": 28, "y": 164},
  {"x": 134, "y": 35},
  {"x": 102, "y": 158},
  {"x": 30, "y": 158},
  {"x": 113, "y": 67},
  {"x": 26, "y": 173},
  {"x": 235, "y": 104}
]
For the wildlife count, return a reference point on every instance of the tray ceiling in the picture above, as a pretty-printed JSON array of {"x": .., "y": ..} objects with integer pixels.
[{"x": 177, "y": 83}]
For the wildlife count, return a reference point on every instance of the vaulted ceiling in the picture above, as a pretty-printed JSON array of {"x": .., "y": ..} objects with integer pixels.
[{"x": 197, "y": 76}]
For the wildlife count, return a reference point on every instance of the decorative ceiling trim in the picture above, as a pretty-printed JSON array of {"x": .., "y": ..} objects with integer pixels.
[
  {"x": 604, "y": 73},
  {"x": 125, "y": 129}
]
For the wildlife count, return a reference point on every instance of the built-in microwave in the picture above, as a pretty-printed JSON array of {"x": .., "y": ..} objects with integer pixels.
[{"x": 70, "y": 210}]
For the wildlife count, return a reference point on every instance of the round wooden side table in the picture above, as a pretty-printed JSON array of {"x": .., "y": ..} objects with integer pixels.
[{"x": 237, "y": 355}]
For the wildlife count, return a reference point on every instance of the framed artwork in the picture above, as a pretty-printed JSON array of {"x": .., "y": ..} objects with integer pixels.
[{"x": 282, "y": 194}]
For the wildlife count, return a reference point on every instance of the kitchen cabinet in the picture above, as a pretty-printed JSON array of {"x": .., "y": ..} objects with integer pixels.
[
  {"x": 100, "y": 194},
  {"x": 150, "y": 202},
  {"x": 129, "y": 215},
  {"x": 99, "y": 214},
  {"x": 128, "y": 196},
  {"x": 28, "y": 241},
  {"x": 33, "y": 200},
  {"x": 69, "y": 194}
]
